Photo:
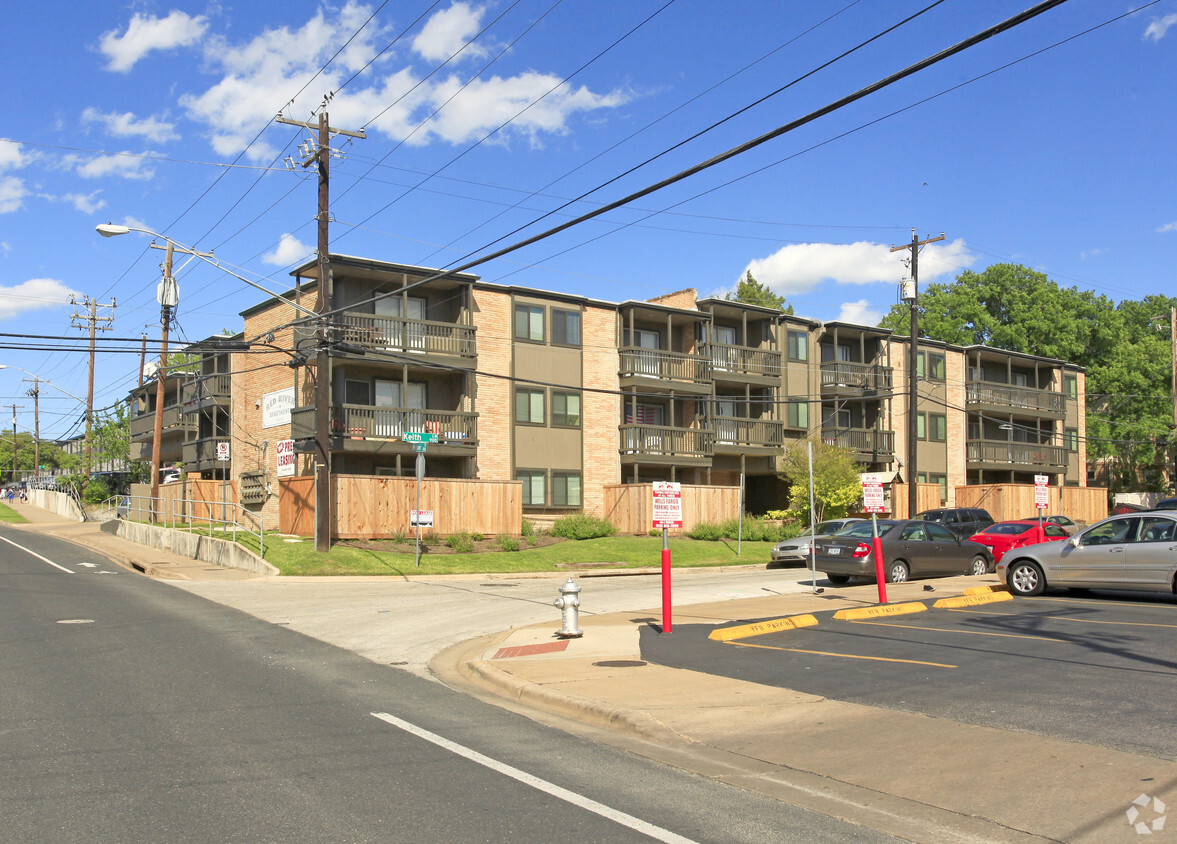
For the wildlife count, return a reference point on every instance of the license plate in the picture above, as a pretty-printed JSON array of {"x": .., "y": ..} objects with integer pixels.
[{"x": 834, "y": 550}]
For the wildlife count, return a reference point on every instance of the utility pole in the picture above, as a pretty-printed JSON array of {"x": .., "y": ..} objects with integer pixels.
[
  {"x": 322, "y": 157},
  {"x": 36, "y": 394},
  {"x": 14, "y": 470},
  {"x": 142, "y": 359},
  {"x": 93, "y": 319},
  {"x": 912, "y": 358},
  {"x": 168, "y": 296}
]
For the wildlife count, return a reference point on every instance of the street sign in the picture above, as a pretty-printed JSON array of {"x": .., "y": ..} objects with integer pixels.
[
  {"x": 222, "y": 451},
  {"x": 421, "y": 518},
  {"x": 1041, "y": 491},
  {"x": 420, "y": 447},
  {"x": 418, "y": 437},
  {"x": 667, "y": 508},
  {"x": 872, "y": 494}
]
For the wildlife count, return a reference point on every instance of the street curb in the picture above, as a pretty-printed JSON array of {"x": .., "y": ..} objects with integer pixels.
[{"x": 972, "y": 600}]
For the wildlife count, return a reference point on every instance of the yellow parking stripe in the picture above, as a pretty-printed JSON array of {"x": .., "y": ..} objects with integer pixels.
[
  {"x": 963, "y": 632},
  {"x": 844, "y": 656}
]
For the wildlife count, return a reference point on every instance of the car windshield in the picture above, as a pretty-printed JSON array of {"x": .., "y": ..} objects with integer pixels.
[
  {"x": 859, "y": 530},
  {"x": 1006, "y": 529}
]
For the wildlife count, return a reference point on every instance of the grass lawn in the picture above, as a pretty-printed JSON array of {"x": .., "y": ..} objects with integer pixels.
[
  {"x": 7, "y": 514},
  {"x": 569, "y": 555}
]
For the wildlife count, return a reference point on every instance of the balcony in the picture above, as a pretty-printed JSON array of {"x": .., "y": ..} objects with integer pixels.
[
  {"x": 845, "y": 378},
  {"x": 653, "y": 368},
  {"x": 740, "y": 363},
  {"x": 984, "y": 397},
  {"x": 747, "y": 436},
  {"x": 444, "y": 342},
  {"x": 1026, "y": 457},
  {"x": 365, "y": 428},
  {"x": 201, "y": 454},
  {"x": 143, "y": 427},
  {"x": 667, "y": 446},
  {"x": 866, "y": 444},
  {"x": 204, "y": 390}
]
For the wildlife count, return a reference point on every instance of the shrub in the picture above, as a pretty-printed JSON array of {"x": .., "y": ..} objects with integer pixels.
[
  {"x": 528, "y": 530},
  {"x": 507, "y": 543},
  {"x": 96, "y": 492},
  {"x": 461, "y": 542},
  {"x": 581, "y": 526},
  {"x": 706, "y": 531}
]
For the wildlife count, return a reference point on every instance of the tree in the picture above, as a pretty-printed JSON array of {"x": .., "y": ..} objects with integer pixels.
[
  {"x": 752, "y": 292},
  {"x": 836, "y": 481},
  {"x": 110, "y": 440}
]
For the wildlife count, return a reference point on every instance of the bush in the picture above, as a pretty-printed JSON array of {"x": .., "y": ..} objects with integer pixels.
[
  {"x": 706, "y": 532},
  {"x": 461, "y": 542},
  {"x": 507, "y": 543},
  {"x": 580, "y": 526},
  {"x": 528, "y": 530},
  {"x": 96, "y": 492}
]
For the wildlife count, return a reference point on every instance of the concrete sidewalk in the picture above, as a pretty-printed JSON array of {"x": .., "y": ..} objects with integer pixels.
[{"x": 915, "y": 777}]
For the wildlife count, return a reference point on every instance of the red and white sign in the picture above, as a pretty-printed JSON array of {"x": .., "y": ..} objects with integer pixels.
[
  {"x": 222, "y": 451},
  {"x": 1041, "y": 491},
  {"x": 420, "y": 518},
  {"x": 286, "y": 459},
  {"x": 872, "y": 494},
  {"x": 667, "y": 505}
]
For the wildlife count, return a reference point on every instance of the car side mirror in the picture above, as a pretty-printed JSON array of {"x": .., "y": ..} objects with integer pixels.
[{"x": 1073, "y": 542}]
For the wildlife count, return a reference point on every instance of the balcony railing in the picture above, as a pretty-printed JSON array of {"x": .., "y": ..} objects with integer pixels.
[
  {"x": 661, "y": 441},
  {"x": 741, "y": 360},
  {"x": 671, "y": 366},
  {"x": 1017, "y": 398},
  {"x": 861, "y": 376},
  {"x": 860, "y": 440},
  {"x": 204, "y": 451},
  {"x": 756, "y": 433},
  {"x": 1002, "y": 453},
  {"x": 206, "y": 388},
  {"x": 386, "y": 423},
  {"x": 401, "y": 334},
  {"x": 144, "y": 426}
]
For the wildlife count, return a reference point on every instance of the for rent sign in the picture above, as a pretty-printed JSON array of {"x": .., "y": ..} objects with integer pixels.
[{"x": 286, "y": 459}]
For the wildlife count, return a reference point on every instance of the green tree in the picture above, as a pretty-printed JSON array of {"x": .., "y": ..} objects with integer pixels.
[
  {"x": 752, "y": 292},
  {"x": 110, "y": 439},
  {"x": 836, "y": 481}
]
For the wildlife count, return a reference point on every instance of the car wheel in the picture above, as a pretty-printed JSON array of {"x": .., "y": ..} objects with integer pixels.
[
  {"x": 897, "y": 572},
  {"x": 1025, "y": 579},
  {"x": 838, "y": 579},
  {"x": 979, "y": 566}
]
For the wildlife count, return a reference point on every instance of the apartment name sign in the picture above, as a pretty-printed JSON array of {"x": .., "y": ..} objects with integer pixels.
[{"x": 276, "y": 407}]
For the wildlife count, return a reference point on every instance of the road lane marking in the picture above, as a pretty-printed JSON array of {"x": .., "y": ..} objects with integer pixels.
[
  {"x": 964, "y": 632},
  {"x": 579, "y": 800},
  {"x": 38, "y": 556},
  {"x": 845, "y": 656}
]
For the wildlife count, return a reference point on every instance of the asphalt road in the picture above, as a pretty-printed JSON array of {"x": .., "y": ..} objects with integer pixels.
[
  {"x": 1097, "y": 669},
  {"x": 135, "y": 711}
]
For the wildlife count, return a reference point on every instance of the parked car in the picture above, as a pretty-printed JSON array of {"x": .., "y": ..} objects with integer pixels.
[
  {"x": 1132, "y": 551},
  {"x": 1124, "y": 507},
  {"x": 123, "y": 508},
  {"x": 1067, "y": 524},
  {"x": 797, "y": 550},
  {"x": 1001, "y": 537},
  {"x": 1166, "y": 504},
  {"x": 911, "y": 548},
  {"x": 962, "y": 521}
]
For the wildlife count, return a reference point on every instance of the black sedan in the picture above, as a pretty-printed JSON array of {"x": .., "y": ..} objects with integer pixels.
[{"x": 910, "y": 549}]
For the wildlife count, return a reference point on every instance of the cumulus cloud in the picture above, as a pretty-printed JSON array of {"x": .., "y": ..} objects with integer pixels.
[
  {"x": 447, "y": 31},
  {"x": 798, "y": 268},
  {"x": 124, "y": 165},
  {"x": 860, "y": 313},
  {"x": 126, "y": 125},
  {"x": 12, "y": 155},
  {"x": 87, "y": 203},
  {"x": 1169, "y": 227},
  {"x": 290, "y": 250},
  {"x": 33, "y": 295},
  {"x": 145, "y": 34},
  {"x": 1157, "y": 27}
]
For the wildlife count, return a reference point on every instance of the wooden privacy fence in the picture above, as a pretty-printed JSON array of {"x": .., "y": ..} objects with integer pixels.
[
  {"x": 927, "y": 497},
  {"x": 201, "y": 499},
  {"x": 1016, "y": 501},
  {"x": 629, "y": 506},
  {"x": 376, "y": 507}
]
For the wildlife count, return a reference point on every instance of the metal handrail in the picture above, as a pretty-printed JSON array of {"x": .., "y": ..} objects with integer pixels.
[{"x": 180, "y": 511}]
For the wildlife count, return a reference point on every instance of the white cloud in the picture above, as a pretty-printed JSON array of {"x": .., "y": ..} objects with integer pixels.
[
  {"x": 12, "y": 155},
  {"x": 87, "y": 203},
  {"x": 125, "y": 165},
  {"x": 12, "y": 194},
  {"x": 860, "y": 313},
  {"x": 125, "y": 125},
  {"x": 290, "y": 250},
  {"x": 1085, "y": 254},
  {"x": 33, "y": 295},
  {"x": 145, "y": 34},
  {"x": 1157, "y": 27},
  {"x": 445, "y": 33},
  {"x": 798, "y": 268},
  {"x": 1168, "y": 227}
]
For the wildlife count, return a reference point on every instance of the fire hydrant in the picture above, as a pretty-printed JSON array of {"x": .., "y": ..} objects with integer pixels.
[{"x": 568, "y": 602}]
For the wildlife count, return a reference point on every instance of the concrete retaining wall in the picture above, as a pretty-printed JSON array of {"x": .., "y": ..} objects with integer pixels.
[
  {"x": 217, "y": 551},
  {"x": 59, "y": 503}
]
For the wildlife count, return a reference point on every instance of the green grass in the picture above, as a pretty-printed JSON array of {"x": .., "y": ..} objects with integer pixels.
[
  {"x": 7, "y": 514},
  {"x": 616, "y": 551}
]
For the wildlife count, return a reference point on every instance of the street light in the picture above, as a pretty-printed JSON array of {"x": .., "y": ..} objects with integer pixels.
[{"x": 36, "y": 393}]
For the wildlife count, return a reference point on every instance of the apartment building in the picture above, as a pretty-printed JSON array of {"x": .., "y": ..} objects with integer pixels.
[{"x": 568, "y": 395}]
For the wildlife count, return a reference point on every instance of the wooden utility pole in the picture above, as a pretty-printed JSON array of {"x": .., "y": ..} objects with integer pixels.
[
  {"x": 912, "y": 358},
  {"x": 92, "y": 319},
  {"x": 168, "y": 297},
  {"x": 36, "y": 394},
  {"x": 322, "y": 158}
]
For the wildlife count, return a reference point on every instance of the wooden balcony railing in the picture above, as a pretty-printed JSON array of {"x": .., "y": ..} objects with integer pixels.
[
  {"x": 143, "y": 427},
  {"x": 862, "y": 376},
  {"x": 206, "y": 388},
  {"x": 860, "y": 440},
  {"x": 671, "y": 366},
  {"x": 384, "y": 423},
  {"x": 204, "y": 451},
  {"x": 757, "y": 433},
  {"x": 662, "y": 441},
  {"x": 1002, "y": 453},
  {"x": 741, "y": 360},
  {"x": 1016, "y": 398},
  {"x": 402, "y": 334}
]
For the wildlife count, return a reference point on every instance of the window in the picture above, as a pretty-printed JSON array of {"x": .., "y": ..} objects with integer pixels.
[
  {"x": 921, "y": 426},
  {"x": 724, "y": 334},
  {"x": 943, "y": 481},
  {"x": 797, "y": 414},
  {"x": 529, "y": 323},
  {"x": 1071, "y": 436},
  {"x": 647, "y": 414},
  {"x": 566, "y": 327},
  {"x": 1071, "y": 386},
  {"x": 838, "y": 419},
  {"x": 533, "y": 487},
  {"x": 798, "y": 342},
  {"x": 642, "y": 339},
  {"x": 938, "y": 423},
  {"x": 566, "y": 409},
  {"x": 529, "y": 406},
  {"x": 566, "y": 489},
  {"x": 357, "y": 392}
]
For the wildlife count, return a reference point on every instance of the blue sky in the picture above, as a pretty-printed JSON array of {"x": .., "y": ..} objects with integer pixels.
[{"x": 1049, "y": 145}]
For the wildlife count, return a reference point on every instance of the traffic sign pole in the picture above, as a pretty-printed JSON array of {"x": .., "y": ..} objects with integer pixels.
[
  {"x": 666, "y": 507},
  {"x": 666, "y": 605},
  {"x": 874, "y": 503}
]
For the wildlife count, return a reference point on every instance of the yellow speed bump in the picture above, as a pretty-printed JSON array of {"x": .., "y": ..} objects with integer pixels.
[
  {"x": 879, "y": 611},
  {"x": 974, "y": 600},
  {"x": 761, "y": 627}
]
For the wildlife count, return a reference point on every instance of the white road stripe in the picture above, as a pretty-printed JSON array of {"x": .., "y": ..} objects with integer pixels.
[
  {"x": 655, "y": 832},
  {"x": 38, "y": 556}
]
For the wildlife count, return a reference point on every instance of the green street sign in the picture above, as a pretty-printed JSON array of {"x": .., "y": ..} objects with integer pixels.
[
  {"x": 418, "y": 437},
  {"x": 420, "y": 447}
]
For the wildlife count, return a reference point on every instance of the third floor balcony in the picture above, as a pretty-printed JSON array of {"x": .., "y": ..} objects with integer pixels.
[
  {"x": 1003, "y": 399},
  {"x": 659, "y": 370},
  {"x": 743, "y": 364},
  {"x": 450, "y": 343},
  {"x": 847, "y": 378}
]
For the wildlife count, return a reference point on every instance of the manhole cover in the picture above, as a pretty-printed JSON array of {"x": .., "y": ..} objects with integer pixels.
[{"x": 620, "y": 663}]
